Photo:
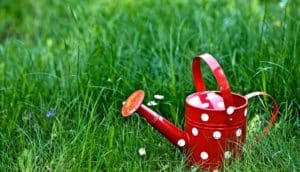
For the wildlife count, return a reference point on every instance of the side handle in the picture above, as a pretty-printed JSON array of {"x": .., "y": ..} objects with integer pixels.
[{"x": 274, "y": 111}]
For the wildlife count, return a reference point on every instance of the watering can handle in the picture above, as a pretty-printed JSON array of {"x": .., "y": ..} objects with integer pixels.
[
  {"x": 218, "y": 74},
  {"x": 274, "y": 111}
]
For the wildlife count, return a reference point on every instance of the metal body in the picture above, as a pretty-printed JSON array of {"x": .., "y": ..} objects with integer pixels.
[{"x": 215, "y": 121}]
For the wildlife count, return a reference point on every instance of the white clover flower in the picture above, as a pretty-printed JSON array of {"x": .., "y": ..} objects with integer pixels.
[
  {"x": 152, "y": 103},
  {"x": 158, "y": 97},
  {"x": 142, "y": 151}
]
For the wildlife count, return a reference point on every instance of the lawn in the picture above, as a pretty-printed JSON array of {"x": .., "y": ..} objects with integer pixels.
[{"x": 67, "y": 66}]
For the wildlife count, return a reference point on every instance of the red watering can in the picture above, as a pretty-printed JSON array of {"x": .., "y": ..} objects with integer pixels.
[{"x": 215, "y": 121}]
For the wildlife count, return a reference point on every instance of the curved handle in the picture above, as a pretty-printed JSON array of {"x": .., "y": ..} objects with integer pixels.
[
  {"x": 274, "y": 111},
  {"x": 218, "y": 74}
]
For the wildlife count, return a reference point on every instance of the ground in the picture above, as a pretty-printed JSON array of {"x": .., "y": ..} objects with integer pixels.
[{"x": 67, "y": 66}]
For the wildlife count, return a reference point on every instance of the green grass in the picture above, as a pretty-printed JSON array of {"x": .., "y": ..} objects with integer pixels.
[{"x": 78, "y": 60}]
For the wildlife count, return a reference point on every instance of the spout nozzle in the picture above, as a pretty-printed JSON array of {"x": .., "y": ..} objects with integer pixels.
[{"x": 132, "y": 103}]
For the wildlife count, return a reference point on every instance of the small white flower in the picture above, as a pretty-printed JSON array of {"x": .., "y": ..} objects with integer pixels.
[
  {"x": 159, "y": 97},
  {"x": 142, "y": 151},
  {"x": 152, "y": 103}
]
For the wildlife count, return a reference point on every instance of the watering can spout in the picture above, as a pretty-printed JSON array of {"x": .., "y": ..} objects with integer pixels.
[{"x": 134, "y": 104}]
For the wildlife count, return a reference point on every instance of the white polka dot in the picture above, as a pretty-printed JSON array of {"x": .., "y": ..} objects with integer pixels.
[
  {"x": 181, "y": 143},
  {"x": 221, "y": 105},
  {"x": 195, "y": 132},
  {"x": 204, "y": 105},
  {"x": 210, "y": 96},
  {"x": 217, "y": 134},
  {"x": 238, "y": 132},
  {"x": 216, "y": 170},
  {"x": 195, "y": 101},
  {"x": 245, "y": 112},
  {"x": 204, "y": 117},
  {"x": 230, "y": 119},
  {"x": 230, "y": 110},
  {"x": 204, "y": 155},
  {"x": 227, "y": 154}
]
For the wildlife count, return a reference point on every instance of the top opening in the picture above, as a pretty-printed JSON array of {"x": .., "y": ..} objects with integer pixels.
[{"x": 212, "y": 100}]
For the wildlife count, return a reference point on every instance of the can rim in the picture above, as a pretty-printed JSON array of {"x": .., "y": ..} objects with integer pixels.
[{"x": 214, "y": 91}]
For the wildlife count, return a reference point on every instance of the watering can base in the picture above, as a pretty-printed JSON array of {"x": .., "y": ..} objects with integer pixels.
[{"x": 216, "y": 162}]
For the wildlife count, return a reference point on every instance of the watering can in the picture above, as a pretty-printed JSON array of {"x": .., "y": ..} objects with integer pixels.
[{"x": 215, "y": 121}]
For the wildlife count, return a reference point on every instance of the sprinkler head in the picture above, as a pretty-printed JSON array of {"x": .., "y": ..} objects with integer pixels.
[{"x": 133, "y": 102}]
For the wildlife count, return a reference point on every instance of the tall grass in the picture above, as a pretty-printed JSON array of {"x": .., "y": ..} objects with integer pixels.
[{"x": 66, "y": 67}]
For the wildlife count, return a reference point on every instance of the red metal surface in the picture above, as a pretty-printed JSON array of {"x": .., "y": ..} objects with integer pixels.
[
  {"x": 175, "y": 135},
  {"x": 215, "y": 121},
  {"x": 215, "y": 135}
]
